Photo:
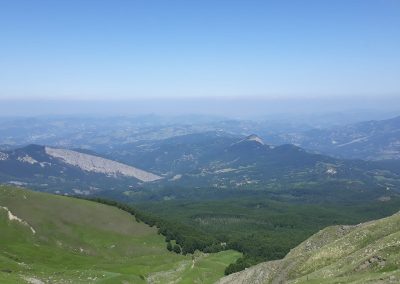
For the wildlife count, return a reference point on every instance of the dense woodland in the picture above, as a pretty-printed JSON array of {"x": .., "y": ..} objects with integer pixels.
[{"x": 259, "y": 228}]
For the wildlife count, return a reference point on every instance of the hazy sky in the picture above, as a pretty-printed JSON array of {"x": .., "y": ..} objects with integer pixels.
[{"x": 135, "y": 49}]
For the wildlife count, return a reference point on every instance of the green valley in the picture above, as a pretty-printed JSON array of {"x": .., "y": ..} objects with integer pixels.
[{"x": 262, "y": 228}]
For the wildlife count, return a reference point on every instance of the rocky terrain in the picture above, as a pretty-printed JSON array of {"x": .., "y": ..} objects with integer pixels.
[
  {"x": 96, "y": 164},
  {"x": 364, "y": 253}
]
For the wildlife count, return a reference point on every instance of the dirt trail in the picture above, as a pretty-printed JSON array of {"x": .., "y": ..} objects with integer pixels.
[{"x": 13, "y": 217}]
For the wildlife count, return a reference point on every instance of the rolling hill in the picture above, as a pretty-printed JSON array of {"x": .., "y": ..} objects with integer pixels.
[
  {"x": 369, "y": 140},
  {"x": 55, "y": 239},
  {"x": 364, "y": 253}
]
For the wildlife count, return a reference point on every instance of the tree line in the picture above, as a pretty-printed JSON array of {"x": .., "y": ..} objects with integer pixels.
[{"x": 187, "y": 239}]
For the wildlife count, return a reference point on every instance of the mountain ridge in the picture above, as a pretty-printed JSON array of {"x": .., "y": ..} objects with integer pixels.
[
  {"x": 197, "y": 160},
  {"x": 369, "y": 140},
  {"x": 64, "y": 171}
]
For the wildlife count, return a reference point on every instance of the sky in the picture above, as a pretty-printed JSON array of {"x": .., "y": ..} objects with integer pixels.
[{"x": 134, "y": 50}]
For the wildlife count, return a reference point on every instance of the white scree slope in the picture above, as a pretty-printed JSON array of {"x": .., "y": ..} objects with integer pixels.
[{"x": 96, "y": 164}]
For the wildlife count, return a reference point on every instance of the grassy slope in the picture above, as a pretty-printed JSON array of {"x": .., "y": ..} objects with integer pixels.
[
  {"x": 365, "y": 253},
  {"x": 78, "y": 241}
]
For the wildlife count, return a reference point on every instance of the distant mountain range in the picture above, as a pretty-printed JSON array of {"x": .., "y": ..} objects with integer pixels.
[
  {"x": 206, "y": 160},
  {"x": 221, "y": 160},
  {"x": 371, "y": 140}
]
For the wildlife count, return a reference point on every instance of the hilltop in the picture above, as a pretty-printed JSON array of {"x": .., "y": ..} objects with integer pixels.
[
  {"x": 56, "y": 239},
  {"x": 364, "y": 253}
]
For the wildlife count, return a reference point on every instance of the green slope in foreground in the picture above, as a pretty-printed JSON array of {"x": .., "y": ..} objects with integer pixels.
[
  {"x": 364, "y": 253},
  {"x": 55, "y": 239}
]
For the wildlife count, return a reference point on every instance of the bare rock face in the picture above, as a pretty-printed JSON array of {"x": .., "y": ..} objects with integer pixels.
[
  {"x": 255, "y": 138},
  {"x": 27, "y": 159},
  {"x": 96, "y": 164},
  {"x": 3, "y": 156},
  {"x": 259, "y": 274}
]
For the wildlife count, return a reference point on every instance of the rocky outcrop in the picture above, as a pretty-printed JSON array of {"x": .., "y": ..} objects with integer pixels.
[
  {"x": 101, "y": 165},
  {"x": 3, "y": 156}
]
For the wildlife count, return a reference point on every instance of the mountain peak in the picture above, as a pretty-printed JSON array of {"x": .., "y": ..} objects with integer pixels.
[
  {"x": 255, "y": 138},
  {"x": 33, "y": 147}
]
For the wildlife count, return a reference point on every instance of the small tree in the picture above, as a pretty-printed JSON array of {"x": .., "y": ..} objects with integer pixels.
[
  {"x": 177, "y": 249},
  {"x": 169, "y": 246}
]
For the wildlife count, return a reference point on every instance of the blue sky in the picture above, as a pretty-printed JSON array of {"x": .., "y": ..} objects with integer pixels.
[{"x": 95, "y": 50}]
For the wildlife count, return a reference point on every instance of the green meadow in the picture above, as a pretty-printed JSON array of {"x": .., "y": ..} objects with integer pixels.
[{"x": 58, "y": 239}]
